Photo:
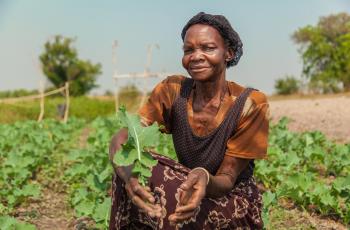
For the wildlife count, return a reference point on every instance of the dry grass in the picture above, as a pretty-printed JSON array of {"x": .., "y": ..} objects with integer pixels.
[{"x": 306, "y": 96}]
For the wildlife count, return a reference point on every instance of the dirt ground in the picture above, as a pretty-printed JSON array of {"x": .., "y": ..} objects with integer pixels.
[{"x": 328, "y": 115}]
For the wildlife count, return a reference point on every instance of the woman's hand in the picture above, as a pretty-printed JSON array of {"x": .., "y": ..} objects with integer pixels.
[
  {"x": 142, "y": 197},
  {"x": 191, "y": 194},
  {"x": 139, "y": 195}
]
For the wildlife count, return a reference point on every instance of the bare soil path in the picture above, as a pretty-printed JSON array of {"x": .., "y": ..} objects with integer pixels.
[{"x": 328, "y": 115}]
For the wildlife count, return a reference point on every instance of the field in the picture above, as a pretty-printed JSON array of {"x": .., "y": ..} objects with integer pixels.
[{"x": 57, "y": 176}]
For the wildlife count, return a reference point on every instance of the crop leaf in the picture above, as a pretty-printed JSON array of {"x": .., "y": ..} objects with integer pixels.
[{"x": 140, "y": 140}]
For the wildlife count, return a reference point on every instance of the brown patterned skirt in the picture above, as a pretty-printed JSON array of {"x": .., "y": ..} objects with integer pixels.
[{"x": 240, "y": 209}]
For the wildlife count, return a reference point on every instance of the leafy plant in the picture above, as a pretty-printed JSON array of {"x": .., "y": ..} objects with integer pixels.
[
  {"x": 10, "y": 223},
  {"x": 26, "y": 148},
  {"x": 135, "y": 151},
  {"x": 308, "y": 169},
  {"x": 89, "y": 173}
]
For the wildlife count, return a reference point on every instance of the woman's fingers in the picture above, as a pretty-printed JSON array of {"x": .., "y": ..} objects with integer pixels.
[
  {"x": 187, "y": 208},
  {"x": 143, "y": 192},
  {"x": 191, "y": 180},
  {"x": 184, "y": 196},
  {"x": 191, "y": 194},
  {"x": 179, "y": 217},
  {"x": 142, "y": 198},
  {"x": 194, "y": 201},
  {"x": 186, "y": 189},
  {"x": 152, "y": 210}
]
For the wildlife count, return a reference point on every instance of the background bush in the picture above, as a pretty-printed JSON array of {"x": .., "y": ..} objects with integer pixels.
[{"x": 287, "y": 85}]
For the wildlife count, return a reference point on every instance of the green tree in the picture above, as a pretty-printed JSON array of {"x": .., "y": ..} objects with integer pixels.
[
  {"x": 325, "y": 50},
  {"x": 287, "y": 85},
  {"x": 60, "y": 63}
]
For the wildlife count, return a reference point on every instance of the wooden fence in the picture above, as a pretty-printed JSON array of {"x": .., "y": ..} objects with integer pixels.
[{"x": 41, "y": 96}]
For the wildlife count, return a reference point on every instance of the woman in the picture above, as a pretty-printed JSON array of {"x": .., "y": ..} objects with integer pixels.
[{"x": 218, "y": 129}]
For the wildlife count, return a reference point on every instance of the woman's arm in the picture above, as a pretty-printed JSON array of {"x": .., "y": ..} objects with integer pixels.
[{"x": 226, "y": 176}]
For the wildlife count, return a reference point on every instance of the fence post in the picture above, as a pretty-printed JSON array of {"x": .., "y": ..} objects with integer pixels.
[
  {"x": 42, "y": 98},
  {"x": 116, "y": 98},
  {"x": 67, "y": 102}
]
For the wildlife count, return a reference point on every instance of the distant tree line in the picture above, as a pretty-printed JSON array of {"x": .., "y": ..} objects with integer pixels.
[
  {"x": 325, "y": 52},
  {"x": 17, "y": 93}
]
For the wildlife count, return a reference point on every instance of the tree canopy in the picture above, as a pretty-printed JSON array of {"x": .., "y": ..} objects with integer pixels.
[
  {"x": 60, "y": 63},
  {"x": 325, "y": 50}
]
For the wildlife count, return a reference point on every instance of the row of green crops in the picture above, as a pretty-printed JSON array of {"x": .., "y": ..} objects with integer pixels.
[
  {"x": 305, "y": 168},
  {"x": 308, "y": 169},
  {"x": 89, "y": 173},
  {"x": 26, "y": 148}
]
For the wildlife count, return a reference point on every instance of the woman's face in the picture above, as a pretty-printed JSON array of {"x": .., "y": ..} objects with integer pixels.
[{"x": 205, "y": 53}]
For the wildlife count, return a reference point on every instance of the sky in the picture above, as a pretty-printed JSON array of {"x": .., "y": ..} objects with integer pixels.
[{"x": 265, "y": 27}]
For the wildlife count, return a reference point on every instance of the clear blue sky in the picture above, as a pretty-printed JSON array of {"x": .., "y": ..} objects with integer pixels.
[{"x": 265, "y": 28}]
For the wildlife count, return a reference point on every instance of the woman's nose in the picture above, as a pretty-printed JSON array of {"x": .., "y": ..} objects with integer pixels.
[{"x": 197, "y": 55}]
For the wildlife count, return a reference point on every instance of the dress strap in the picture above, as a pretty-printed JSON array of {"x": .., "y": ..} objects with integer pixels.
[
  {"x": 186, "y": 87},
  {"x": 238, "y": 107}
]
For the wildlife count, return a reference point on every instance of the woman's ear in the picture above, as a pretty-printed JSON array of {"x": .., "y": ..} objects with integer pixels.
[{"x": 229, "y": 55}]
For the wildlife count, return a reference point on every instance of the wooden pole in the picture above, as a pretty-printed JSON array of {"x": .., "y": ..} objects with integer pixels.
[
  {"x": 114, "y": 62},
  {"x": 147, "y": 73},
  {"x": 42, "y": 98},
  {"x": 67, "y": 103},
  {"x": 143, "y": 99},
  {"x": 116, "y": 97}
]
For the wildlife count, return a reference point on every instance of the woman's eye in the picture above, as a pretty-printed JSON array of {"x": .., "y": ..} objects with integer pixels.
[
  {"x": 188, "y": 50},
  {"x": 208, "y": 48}
]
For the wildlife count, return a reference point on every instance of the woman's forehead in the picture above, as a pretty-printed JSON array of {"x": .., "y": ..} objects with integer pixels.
[{"x": 202, "y": 32}]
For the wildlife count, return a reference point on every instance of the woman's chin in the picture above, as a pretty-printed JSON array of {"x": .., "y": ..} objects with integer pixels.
[{"x": 201, "y": 77}]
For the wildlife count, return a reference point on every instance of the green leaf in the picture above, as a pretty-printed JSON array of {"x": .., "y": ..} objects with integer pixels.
[
  {"x": 104, "y": 174},
  {"x": 102, "y": 210},
  {"x": 139, "y": 140},
  {"x": 10, "y": 223},
  {"x": 11, "y": 199},
  {"x": 85, "y": 208},
  {"x": 308, "y": 140},
  {"x": 269, "y": 198},
  {"x": 148, "y": 160},
  {"x": 79, "y": 195},
  {"x": 6, "y": 222},
  {"x": 125, "y": 157},
  {"x": 342, "y": 183},
  {"x": 140, "y": 169},
  {"x": 31, "y": 190},
  {"x": 24, "y": 226}
]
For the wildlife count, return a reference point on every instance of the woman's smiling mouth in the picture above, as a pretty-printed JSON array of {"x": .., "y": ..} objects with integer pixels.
[{"x": 197, "y": 69}]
